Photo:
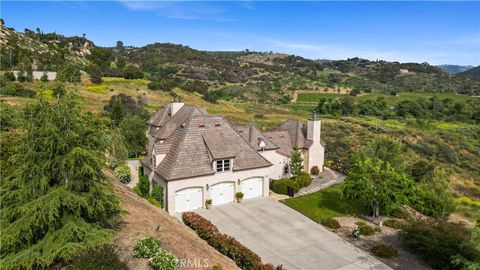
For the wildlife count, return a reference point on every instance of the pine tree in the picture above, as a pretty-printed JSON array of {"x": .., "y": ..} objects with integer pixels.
[
  {"x": 57, "y": 203},
  {"x": 296, "y": 163}
]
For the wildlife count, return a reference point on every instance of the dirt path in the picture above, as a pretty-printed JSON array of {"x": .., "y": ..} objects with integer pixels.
[{"x": 143, "y": 219}]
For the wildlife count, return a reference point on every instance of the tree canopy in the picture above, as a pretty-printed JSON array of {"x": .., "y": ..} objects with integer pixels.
[{"x": 57, "y": 202}]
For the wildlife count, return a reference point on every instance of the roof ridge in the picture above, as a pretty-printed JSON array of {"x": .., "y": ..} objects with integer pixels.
[{"x": 249, "y": 145}]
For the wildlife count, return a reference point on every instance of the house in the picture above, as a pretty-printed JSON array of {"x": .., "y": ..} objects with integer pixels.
[{"x": 195, "y": 156}]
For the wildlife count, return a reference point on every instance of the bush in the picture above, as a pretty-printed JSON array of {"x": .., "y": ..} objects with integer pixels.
[
  {"x": 400, "y": 213},
  {"x": 384, "y": 251},
  {"x": 281, "y": 186},
  {"x": 303, "y": 179},
  {"x": 438, "y": 241},
  {"x": 146, "y": 248},
  {"x": 123, "y": 174},
  {"x": 365, "y": 229},
  {"x": 331, "y": 223},
  {"x": 227, "y": 245},
  {"x": 144, "y": 186},
  {"x": 105, "y": 258},
  {"x": 164, "y": 261},
  {"x": 315, "y": 170},
  {"x": 393, "y": 223},
  {"x": 157, "y": 193},
  {"x": 239, "y": 195},
  {"x": 16, "y": 89}
]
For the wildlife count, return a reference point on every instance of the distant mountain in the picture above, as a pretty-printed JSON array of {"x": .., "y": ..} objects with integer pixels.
[
  {"x": 454, "y": 69},
  {"x": 473, "y": 73}
]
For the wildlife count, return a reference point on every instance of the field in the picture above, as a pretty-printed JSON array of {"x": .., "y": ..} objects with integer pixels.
[{"x": 308, "y": 101}]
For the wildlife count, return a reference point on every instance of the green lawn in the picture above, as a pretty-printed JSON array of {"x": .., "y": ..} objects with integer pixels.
[{"x": 326, "y": 203}]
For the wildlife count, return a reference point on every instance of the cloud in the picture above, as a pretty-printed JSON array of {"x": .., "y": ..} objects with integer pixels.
[{"x": 211, "y": 11}]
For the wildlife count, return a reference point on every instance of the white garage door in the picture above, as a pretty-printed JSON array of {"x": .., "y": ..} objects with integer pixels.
[
  {"x": 222, "y": 193},
  {"x": 188, "y": 199},
  {"x": 252, "y": 188}
]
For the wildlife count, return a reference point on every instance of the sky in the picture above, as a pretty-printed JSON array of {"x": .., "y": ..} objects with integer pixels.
[{"x": 435, "y": 32}]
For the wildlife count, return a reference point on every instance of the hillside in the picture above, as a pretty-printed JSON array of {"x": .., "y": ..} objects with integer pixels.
[
  {"x": 473, "y": 74},
  {"x": 238, "y": 76}
]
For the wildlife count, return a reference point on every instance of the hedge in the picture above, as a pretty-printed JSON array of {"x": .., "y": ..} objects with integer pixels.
[
  {"x": 227, "y": 245},
  {"x": 281, "y": 186}
]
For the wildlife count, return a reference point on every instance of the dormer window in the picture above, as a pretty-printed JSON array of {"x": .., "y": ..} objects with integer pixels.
[{"x": 223, "y": 165}]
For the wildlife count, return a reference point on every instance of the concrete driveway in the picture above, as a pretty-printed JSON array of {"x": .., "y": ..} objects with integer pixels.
[{"x": 281, "y": 235}]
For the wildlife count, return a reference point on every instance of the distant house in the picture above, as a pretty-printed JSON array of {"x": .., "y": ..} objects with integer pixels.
[
  {"x": 404, "y": 71},
  {"x": 195, "y": 156}
]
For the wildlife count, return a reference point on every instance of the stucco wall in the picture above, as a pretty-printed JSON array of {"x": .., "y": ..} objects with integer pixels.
[
  {"x": 176, "y": 185},
  {"x": 278, "y": 161}
]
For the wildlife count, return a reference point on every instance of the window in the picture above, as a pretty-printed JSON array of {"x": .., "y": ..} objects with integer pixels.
[
  {"x": 285, "y": 169},
  {"x": 223, "y": 165}
]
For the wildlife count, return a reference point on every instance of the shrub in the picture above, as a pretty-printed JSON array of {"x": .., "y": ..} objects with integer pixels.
[
  {"x": 303, "y": 179},
  {"x": 208, "y": 201},
  {"x": 438, "y": 241},
  {"x": 331, "y": 223},
  {"x": 144, "y": 186},
  {"x": 123, "y": 174},
  {"x": 315, "y": 170},
  {"x": 164, "y": 261},
  {"x": 216, "y": 267},
  {"x": 154, "y": 202},
  {"x": 393, "y": 223},
  {"x": 281, "y": 186},
  {"x": 227, "y": 245},
  {"x": 400, "y": 213},
  {"x": 365, "y": 229},
  {"x": 105, "y": 258},
  {"x": 239, "y": 195},
  {"x": 157, "y": 193},
  {"x": 146, "y": 248},
  {"x": 384, "y": 251}
]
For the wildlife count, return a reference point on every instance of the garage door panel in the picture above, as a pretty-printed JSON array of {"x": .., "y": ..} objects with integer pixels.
[
  {"x": 188, "y": 199},
  {"x": 252, "y": 188},
  {"x": 222, "y": 193}
]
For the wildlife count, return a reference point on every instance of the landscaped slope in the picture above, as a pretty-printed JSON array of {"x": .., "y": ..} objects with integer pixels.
[{"x": 144, "y": 219}]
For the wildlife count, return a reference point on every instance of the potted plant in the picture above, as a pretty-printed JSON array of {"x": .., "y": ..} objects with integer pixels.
[
  {"x": 208, "y": 203},
  {"x": 239, "y": 196}
]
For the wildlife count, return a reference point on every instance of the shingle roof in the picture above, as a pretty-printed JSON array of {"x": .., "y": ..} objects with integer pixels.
[
  {"x": 282, "y": 140},
  {"x": 254, "y": 136},
  {"x": 162, "y": 124},
  {"x": 191, "y": 147},
  {"x": 289, "y": 135}
]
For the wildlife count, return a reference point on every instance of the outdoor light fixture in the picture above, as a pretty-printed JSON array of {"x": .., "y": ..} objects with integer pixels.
[{"x": 208, "y": 186}]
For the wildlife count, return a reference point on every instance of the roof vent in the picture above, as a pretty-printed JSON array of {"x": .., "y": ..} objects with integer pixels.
[
  {"x": 240, "y": 131},
  {"x": 281, "y": 136},
  {"x": 217, "y": 124},
  {"x": 201, "y": 125}
]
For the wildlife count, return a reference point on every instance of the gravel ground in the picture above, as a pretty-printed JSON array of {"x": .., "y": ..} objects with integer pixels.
[{"x": 406, "y": 260}]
